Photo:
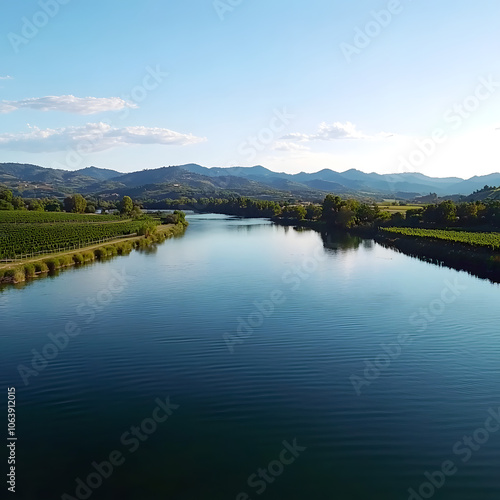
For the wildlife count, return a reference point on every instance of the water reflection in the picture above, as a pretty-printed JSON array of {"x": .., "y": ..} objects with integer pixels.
[{"x": 342, "y": 241}]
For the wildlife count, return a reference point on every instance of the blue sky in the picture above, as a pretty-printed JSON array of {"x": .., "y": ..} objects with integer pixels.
[{"x": 385, "y": 86}]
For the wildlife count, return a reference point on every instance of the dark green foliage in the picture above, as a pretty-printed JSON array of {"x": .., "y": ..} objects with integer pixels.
[
  {"x": 29, "y": 270},
  {"x": 18, "y": 203},
  {"x": 35, "y": 206},
  {"x": 6, "y": 195},
  {"x": 76, "y": 203},
  {"x": 448, "y": 214},
  {"x": 348, "y": 213},
  {"x": 21, "y": 217},
  {"x": 5, "y": 205},
  {"x": 29, "y": 237},
  {"x": 177, "y": 217},
  {"x": 489, "y": 240},
  {"x": 239, "y": 206},
  {"x": 78, "y": 258},
  {"x": 126, "y": 205},
  {"x": 52, "y": 263},
  {"x": 296, "y": 212},
  {"x": 41, "y": 267}
]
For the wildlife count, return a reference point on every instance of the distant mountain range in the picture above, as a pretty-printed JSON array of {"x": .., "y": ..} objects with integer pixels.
[{"x": 196, "y": 180}]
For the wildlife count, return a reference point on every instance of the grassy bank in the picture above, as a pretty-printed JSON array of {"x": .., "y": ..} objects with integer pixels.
[
  {"x": 480, "y": 258},
  {"x": 17, "y": 272},
  {"x": 475, "y": 252}
]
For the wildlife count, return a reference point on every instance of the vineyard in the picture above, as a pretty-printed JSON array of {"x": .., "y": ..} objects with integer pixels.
[
  {"x": 488, "y": 240},
  {"x": 25, "y": 217},
  {"x": 29, "y": 238}
]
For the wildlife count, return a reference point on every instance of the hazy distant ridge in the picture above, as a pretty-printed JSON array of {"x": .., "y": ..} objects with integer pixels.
[{"x": 94, "y": 179}]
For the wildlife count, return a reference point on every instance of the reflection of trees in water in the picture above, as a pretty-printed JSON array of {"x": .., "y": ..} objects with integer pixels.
[
  {"x": 248, "y": 227},
  {"x": 340, "y": 240}
]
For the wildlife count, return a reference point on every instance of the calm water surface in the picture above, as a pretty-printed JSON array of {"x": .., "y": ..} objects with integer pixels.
[{"x": 303, "y": 369}]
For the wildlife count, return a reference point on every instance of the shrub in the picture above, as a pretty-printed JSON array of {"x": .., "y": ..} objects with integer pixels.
[
  {"x": 100, "y": 253},
  {"x": 111, "y": 250},
  {"x": 65, "y": 260},
  {"x": 88, "y": 256},
  {"x": 78, "y": 258},
  {"x": 41, "y": 267},
  {"x": 124, "y": 248},
  {"x": 16, "y": 275},
  {"x": 29, "y": 270},
  {"x": 52, "y": 263}
]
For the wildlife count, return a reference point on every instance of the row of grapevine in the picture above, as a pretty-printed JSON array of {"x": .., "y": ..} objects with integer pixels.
[
  {"x": 29, "y": 238},
  {"x": 27, "y": 217},
  {"x": 489, "y": 240}
]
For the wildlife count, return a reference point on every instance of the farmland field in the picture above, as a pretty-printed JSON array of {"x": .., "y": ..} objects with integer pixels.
[
  {"x": 388, "y": 207},
  {"x": 488, "y": 240},
  {"x": 26, "y": 217},
  {"x": 38, "y": 232}
]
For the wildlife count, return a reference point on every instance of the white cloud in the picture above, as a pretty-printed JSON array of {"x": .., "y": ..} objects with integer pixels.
[
  {"x": 68, "y": 104},
  {"x": 333, "y": 132},
  {"x": 463, "y": 155},
  {"x": 92, "y": 137},
  {"x": 295, "y": 136},
  {"x": 337, "y": 130},
  {"x": 289, "y": 146},
  {"x": 6, "y": 78}
]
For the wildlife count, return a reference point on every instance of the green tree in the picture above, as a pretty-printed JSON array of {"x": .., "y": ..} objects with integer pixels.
[
  {"x": 52, "y": 205},
  {"x": 35, "y": 205},
  {"x": 467, "y": 213},
  {"x": 295, "y": 212},
  {"x": 6, "y": 195},
  {"x": 331, "y": 206},
  {"x": 367, "y": 213},
  {"x": 447, "y": 212},
  {"x": 18, "y": 203},
  {"x": 314, "y": 212},
  {"x": 126, "y": 205},
  {"x": 5, "y": 205},
  {"x": 76, "y": 204}
]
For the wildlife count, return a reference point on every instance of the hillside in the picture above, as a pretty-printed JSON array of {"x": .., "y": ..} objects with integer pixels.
[{"x": 258, "y": 181}]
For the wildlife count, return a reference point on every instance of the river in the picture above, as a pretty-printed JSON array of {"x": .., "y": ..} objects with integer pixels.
[{"x": 245, "y": 360}]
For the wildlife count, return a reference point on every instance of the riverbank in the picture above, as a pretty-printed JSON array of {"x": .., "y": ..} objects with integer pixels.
[
  {"x": 20, "y": 271},
  {"x": 482, "y": 262}
]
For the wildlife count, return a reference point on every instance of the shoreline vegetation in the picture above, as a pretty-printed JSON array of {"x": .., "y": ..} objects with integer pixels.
[
  {"x": 148, "y": 232},
  {"x": 19, "y": 272},
  {"x": 480, "y": 261},
  {"x": 463, "y": 236}
]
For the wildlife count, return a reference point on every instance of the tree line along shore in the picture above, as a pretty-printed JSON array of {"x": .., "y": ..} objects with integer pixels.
[
  {"x": 462, "y": 235},
  {"x": 37, "y": 242}
]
